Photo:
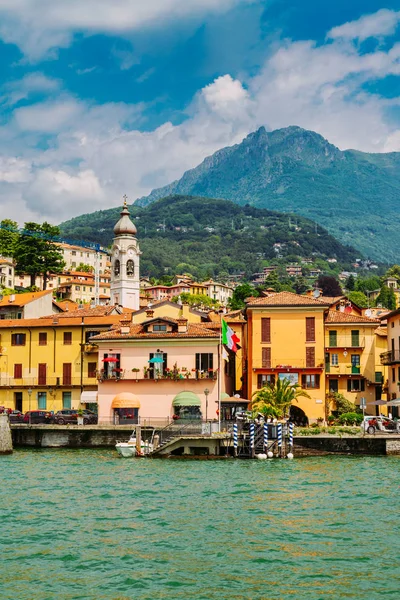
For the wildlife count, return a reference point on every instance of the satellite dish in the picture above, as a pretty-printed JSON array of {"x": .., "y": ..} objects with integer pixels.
[{"x": 368, "y": 312}]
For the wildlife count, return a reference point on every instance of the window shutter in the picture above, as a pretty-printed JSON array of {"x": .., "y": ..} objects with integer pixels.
[
  {"x": 165, "y": 362},
  {"x": 266, "y": 358},
  {"x": 310, "y": 357},
  {"x": 197, "y": 362},
  {"x": 310, "y": 329},
  {"x": 332, "y": 338},
  {"x": 363, "y": 385},
  {"x": 303, "y": 381},
  {"x": 18, "y": 371},
  {"x": 349, "y": 385},
  {"x": 317, "y": 382},
  {"x": 259, "y": 382},
  {"x": 210, "y": 361},
  {"x": 266, "y": 330},
  {"x": 151, "y": 366}
]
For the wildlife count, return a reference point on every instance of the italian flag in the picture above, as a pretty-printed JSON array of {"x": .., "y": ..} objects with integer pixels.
[{"x": 229, "y": 337}]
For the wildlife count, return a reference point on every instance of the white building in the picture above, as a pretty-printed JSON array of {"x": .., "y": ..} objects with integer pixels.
[
  {"x": 218, "y": 291},
  {"x": 125, "y": 263},
  {"x": 76, "y": 255},
  {"x": 7, "y": 272}
]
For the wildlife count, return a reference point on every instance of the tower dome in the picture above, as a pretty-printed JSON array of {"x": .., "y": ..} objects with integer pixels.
[{"x": 125, "y": 226}]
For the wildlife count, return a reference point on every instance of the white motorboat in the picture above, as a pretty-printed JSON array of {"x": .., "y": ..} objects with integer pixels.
[{"x": 128, "y": 449}]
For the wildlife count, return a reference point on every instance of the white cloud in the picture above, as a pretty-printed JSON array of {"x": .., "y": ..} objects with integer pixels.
[
  {"x": 98, "y": 153},
  {"x": 38, "y": 25},
  {"x": 382, "y": 23},
  {"x": 30, "y": 84}
]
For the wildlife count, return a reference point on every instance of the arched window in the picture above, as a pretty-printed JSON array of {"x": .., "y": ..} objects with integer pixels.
[
  {"x": 130, "y": 267},
  {"x": 117, "y": 267}
]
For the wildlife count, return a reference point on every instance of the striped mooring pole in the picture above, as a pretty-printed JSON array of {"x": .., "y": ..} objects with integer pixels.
[
  {"x": 291, "y": 427},
  {"x": 265, "y": 437},
  {"x": 235, "y": 439},
  {"x": 252, "y": 429},
  {"x": 280, "y": 439}
]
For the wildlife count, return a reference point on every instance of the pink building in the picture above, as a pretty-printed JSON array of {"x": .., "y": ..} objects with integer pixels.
[{"x": 160, "y": 369}]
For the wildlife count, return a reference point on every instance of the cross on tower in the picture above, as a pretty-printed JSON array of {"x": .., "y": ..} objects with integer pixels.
[{"x": 125, "y": 197}]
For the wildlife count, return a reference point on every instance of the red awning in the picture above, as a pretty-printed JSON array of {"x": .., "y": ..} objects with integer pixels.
[{"x": 110, "y": 359}]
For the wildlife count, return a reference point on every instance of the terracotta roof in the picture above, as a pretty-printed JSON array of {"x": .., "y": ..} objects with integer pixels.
[
  {"x": 330, "y": 299},
  {"x": 66, "y": 305},
  {"x": 381, "y": 331},
  {"x": 285, "y": 299},
  {"x": 60, "y": 320},
  {"x": 23, "y": 299},
  {"x": 95, "y": 311},
  {"x": 336, "y": 316},
  {"x": 137, "y": 332}
]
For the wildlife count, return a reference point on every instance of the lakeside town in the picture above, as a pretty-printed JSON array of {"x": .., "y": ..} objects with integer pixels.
[{"x": 108, "y": 347}]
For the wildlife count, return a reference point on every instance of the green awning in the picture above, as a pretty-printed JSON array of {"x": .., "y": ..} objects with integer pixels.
[{"x": 186, "y": 399}]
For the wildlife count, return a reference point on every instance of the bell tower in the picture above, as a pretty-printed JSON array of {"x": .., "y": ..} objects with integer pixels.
[{"x": 125, "y": 253}]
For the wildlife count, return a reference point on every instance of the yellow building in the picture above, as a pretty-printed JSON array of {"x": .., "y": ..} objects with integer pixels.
[
  {"x": 49, "y": 362},
  {"x": 353, "y": 344},
  {"x": 285, "y": 339}
]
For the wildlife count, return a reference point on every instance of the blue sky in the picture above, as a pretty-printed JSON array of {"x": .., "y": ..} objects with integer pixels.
[{"x": 104, "y": 98}]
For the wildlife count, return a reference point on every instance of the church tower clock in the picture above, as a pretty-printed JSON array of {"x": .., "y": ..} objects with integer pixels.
[{"x": 125, "y": 286}]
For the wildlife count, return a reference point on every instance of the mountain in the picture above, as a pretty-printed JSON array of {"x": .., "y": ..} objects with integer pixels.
[
  {"x": 209, "y": 237},
  {"x": 354, "y": 195}
]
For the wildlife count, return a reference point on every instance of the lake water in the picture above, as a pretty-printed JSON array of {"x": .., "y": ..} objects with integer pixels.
[{"x": 85, "y": 524}]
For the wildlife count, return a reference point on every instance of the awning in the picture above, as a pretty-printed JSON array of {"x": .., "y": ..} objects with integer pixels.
[
  {"x": 186, "y": 399},
  {"x": 125, "y": 400},
  {"x": 395, "y": 402},
  {"x": 110, "y": 359},
  {"x": 87, "y": 397},
  {"x": 156, "y": 359},
  {"x": 234, "y": 400},
  {"x": 376, "y": 403}
]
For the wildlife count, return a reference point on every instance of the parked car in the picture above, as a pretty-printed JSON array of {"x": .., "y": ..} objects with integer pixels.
[
  {"x": 70, "y": 415},
  {"x": 372, "y": 424},
  {"x": 38, "y": 416},
  {"x": 15, "y": 416}
]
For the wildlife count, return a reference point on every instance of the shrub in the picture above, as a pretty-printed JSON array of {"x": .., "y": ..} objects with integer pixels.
[{"x": 350, "y": 418}]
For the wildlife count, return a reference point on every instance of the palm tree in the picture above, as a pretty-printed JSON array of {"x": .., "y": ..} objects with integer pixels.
[{"x": 274, "y": 399}]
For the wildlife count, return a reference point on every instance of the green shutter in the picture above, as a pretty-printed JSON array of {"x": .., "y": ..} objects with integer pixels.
[{"x": 333, "y": 339}]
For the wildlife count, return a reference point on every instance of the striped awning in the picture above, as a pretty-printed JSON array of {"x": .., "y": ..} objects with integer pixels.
[{"x": 89, "y": 397}]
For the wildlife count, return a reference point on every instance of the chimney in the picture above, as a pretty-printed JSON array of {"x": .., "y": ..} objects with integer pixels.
[
  {"x": 182, "y": 325},
  {"x": 149, "y": 313},
  {"x": 55, "y": 320},
  {"x": 125, "y": 326}
]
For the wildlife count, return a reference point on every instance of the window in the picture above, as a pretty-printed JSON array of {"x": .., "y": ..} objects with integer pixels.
[
  {"x": 264, "y": 379},
  {"x": 310, "y": 357},
  {"x": 310, "y": 382},
  {"x": 42, "y": 372},
  {"x": 42, "y": 338},
  {"x": 355, "y": 363},
  {"x": 392, "y": 324},
  {"x": 310, "y": 329},
  {"x": 332, "y": 339},
  {"x": 92, "y": 368},
  {"x": 84, "y": 288},
  {"x": 67, "y": 338},
  {"x": 355, "y": 337},
  {"x": 66, "y": 399},
  {"x": 393, "y": 375},
  {"x": 157, "y": 369},
  {"x": 159, "y": 328},
  {"x": 356, "y": 385},
  {"x": 266, "y": 330},
  {"x": 18, "y": 371},
  {"x": 130, "y": 268},
  {"x": 379, "y": 377},
  {"x": 333, "y": 386},
  {"x": 73, "y": 253},
  {"x": 90, "y": 334},
  {"x": 77, "y": 288},
  {"x": 67, "y": 373},
  {"x": 334, "y": 359},
  {"x": 266, "y": 358},
  {"x": 42, "y": 400},
  {"x": 117, "y": 267},
  {"x": 204, "y": 364},
  {"x": 18, "y": 339}
]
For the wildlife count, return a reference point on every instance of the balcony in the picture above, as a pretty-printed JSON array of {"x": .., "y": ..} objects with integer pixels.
[
  {"x": 295, "y": 365},
  {"x": 174, "y": 374},
  {"x": 390, "y": 358},
  {"x": 48, "y": 382},
  {"x": 345, "y": 341},
  {"x": 90, "y": 348}
]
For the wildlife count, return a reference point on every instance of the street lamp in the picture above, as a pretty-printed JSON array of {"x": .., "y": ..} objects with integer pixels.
[{"x": 206, "y": 392}]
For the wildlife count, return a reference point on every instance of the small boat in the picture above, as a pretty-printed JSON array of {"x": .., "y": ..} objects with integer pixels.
[{"x": 128, "y": 449}]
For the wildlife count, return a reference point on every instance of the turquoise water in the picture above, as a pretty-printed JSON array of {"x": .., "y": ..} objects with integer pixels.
[{"x": 83, "y": 524}]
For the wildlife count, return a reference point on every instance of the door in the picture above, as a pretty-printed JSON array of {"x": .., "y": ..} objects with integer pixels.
[
  {"x": 18, "y": 401},
  {"x": 67, "y": 371},
  {"x": 42, "y": 368}
]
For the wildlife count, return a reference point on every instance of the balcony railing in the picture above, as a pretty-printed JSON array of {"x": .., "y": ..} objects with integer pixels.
[
  {"x": 345, "y": 341},
  {"x": 343, "y": 369},
  {"x": 168, "y": 375},
  {"x": 388, "y": 358},
  {"x": 53, "y": 381},
  {"x": 294, "y": 365}
]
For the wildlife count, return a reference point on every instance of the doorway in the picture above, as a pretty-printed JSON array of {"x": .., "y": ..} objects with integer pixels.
[{"x": 18, "y": 401}]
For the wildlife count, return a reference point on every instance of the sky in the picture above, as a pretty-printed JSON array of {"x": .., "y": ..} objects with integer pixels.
[{"x": 104, "y": 98}]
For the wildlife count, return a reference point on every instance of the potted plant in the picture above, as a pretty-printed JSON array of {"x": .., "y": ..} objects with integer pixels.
[
  {"x": 80, "y": 413},
  {"x": 146, "y": 372},
  {"x": 136, "y": 371}
]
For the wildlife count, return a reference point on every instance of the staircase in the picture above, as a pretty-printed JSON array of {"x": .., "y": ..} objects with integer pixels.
[{"x": 174, "y": 431}]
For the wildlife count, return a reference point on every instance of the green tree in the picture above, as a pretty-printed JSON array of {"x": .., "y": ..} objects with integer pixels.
[
  {"x": 386, "y": 298},
  {"x": 83, "y": 268},
  {"x": 394, "y": 271},
  {"x": 240, "y": 293},
  {"x": 300, "y": 285},
  {"x": 196, "y": 300},
  {"x": 329, "y": 285},
  {"x": 350, "y": 283},
  {"x": 275, "y": 399},
  {"x": 358, "y": 298},
  {"x": 35, "y": 252},
  {"x": 8, "y": 237},
  {"x": 368, "y": 284},
  {"x": 273, "y": 281}
]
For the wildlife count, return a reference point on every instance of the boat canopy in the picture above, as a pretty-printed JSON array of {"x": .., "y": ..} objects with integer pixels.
[
  {"x": 186, "y": 399},
  {"x": 125, "y": 400}
]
